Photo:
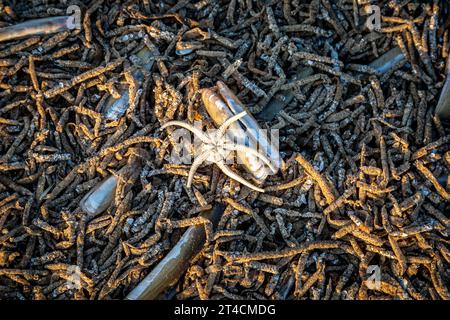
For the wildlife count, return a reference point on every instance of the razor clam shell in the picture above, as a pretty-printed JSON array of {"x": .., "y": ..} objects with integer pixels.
[
  {"x": 257, "y": 139},
  {"x": 171, "y": 267},
  {"x": 115, "y": 108},
  {"x": 443, "y": 106},
  {"x": 384, "y": 63},
  {"x": 174, "y": 264},
  {"x": 282, "y": 99},
  {"x": 35, "y": 27},
  {"x": 100, "y": 197}
]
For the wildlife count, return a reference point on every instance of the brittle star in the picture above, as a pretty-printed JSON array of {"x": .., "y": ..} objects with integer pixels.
[{"x": 215, "y": 145}]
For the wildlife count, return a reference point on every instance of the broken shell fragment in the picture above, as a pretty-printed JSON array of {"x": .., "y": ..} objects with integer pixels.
[
  {"x": 221, "y": 104},
  {"x": 100, "y": 197},
  {"x": 36, "y": 27},
  {"x": 185, "y": 48}
]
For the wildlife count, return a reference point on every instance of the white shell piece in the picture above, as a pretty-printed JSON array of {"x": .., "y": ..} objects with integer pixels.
[{"x": 100, "y": 197}]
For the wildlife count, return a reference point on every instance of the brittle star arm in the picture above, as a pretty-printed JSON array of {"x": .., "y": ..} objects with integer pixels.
[
  {"x": 236, "y": 177},
  {"x": 228, "y": 122},
  {"x": 197, "y": 162},
  {"x": 242, "y": 148},
  {"x": 200, "y": 134}
]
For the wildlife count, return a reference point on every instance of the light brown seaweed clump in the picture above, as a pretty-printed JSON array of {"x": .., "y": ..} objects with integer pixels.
[{"x": 360, "y": 210}]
